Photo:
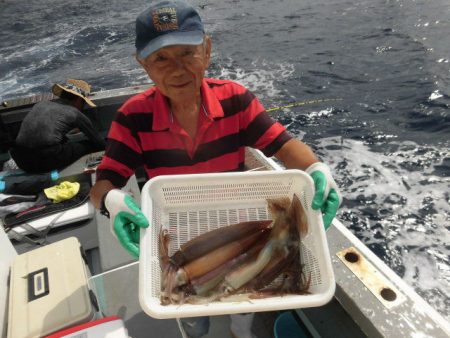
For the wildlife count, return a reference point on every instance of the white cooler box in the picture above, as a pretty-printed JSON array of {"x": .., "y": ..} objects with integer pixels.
[
  {"x": 108, "y": 327},
  {"x": 49, "y": 290}
]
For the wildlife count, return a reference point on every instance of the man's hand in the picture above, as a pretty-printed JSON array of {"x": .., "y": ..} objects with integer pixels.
[
  {"x": 126, "y": 219},
  {"x": 327, "y": 197}
]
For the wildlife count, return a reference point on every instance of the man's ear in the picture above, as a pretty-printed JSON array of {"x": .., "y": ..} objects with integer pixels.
[
  {"x": 208, "y": 48},
  {"x": 139, "y": 60}
]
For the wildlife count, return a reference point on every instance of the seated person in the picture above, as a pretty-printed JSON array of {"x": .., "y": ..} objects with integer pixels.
[{"x": 42, "y": 145}]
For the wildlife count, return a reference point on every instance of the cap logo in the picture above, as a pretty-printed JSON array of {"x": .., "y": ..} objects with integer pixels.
[{"x": 165, "y": 19}]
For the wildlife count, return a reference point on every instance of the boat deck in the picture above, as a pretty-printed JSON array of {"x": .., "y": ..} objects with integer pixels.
[
  {"x": 353, "y": 312},
  {"x": 119, "y": 298}
]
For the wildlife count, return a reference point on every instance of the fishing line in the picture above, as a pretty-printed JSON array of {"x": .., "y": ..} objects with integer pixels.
[{"x": 303, "y": 103}]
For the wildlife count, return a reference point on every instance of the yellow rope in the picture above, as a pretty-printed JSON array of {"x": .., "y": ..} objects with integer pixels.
[{"x": 297, "y": 104}]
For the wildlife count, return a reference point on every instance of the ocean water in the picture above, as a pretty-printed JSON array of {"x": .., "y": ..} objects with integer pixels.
[{"x": 372, "y": 79}]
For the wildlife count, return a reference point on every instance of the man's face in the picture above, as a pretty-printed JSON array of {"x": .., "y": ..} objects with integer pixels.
[{"x": 178, "y": 70}]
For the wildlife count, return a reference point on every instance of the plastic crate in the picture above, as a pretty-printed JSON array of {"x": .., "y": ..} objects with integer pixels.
[{"x": 189, "y": 205}]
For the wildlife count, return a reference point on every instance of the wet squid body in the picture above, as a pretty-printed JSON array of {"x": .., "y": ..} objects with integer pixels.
[{"x": 249, "y": 260}]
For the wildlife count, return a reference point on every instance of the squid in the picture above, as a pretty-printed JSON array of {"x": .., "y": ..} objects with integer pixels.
[
  {"x": 217, "y": 257},
  {"x": 214, "y": 239},
  {"x": 202, "y": 285},
  {"x": 286, "y": 216},
  {"x": 258, "y": 258}
]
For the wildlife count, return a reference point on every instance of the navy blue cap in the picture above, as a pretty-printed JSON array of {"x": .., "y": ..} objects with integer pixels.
[{"x": 167, "y": 23}]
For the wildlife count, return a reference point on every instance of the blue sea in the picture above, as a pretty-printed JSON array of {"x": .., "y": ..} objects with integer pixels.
[{"x": 371, "y": 80}]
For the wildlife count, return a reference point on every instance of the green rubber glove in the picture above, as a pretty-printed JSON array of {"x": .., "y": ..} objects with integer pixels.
[
  {"x": 126, "y": 219},
  {"x": 327, "y": 197}
]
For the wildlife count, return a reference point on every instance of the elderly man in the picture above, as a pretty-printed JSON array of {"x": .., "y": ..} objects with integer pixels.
[{"x": 189, "y": 124}]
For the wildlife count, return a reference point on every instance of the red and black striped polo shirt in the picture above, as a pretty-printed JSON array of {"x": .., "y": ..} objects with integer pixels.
[{"x": 145, "y": 133}]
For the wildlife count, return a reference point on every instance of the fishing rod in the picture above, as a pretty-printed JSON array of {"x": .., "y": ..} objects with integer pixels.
[{"x": 303, "y": 103}]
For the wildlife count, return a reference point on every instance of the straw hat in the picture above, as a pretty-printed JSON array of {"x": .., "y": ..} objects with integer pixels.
[{"x": 76, "y": 87}]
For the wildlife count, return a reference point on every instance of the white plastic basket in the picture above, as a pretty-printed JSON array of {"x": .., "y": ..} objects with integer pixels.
[{"x": 189, "y": 205}]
